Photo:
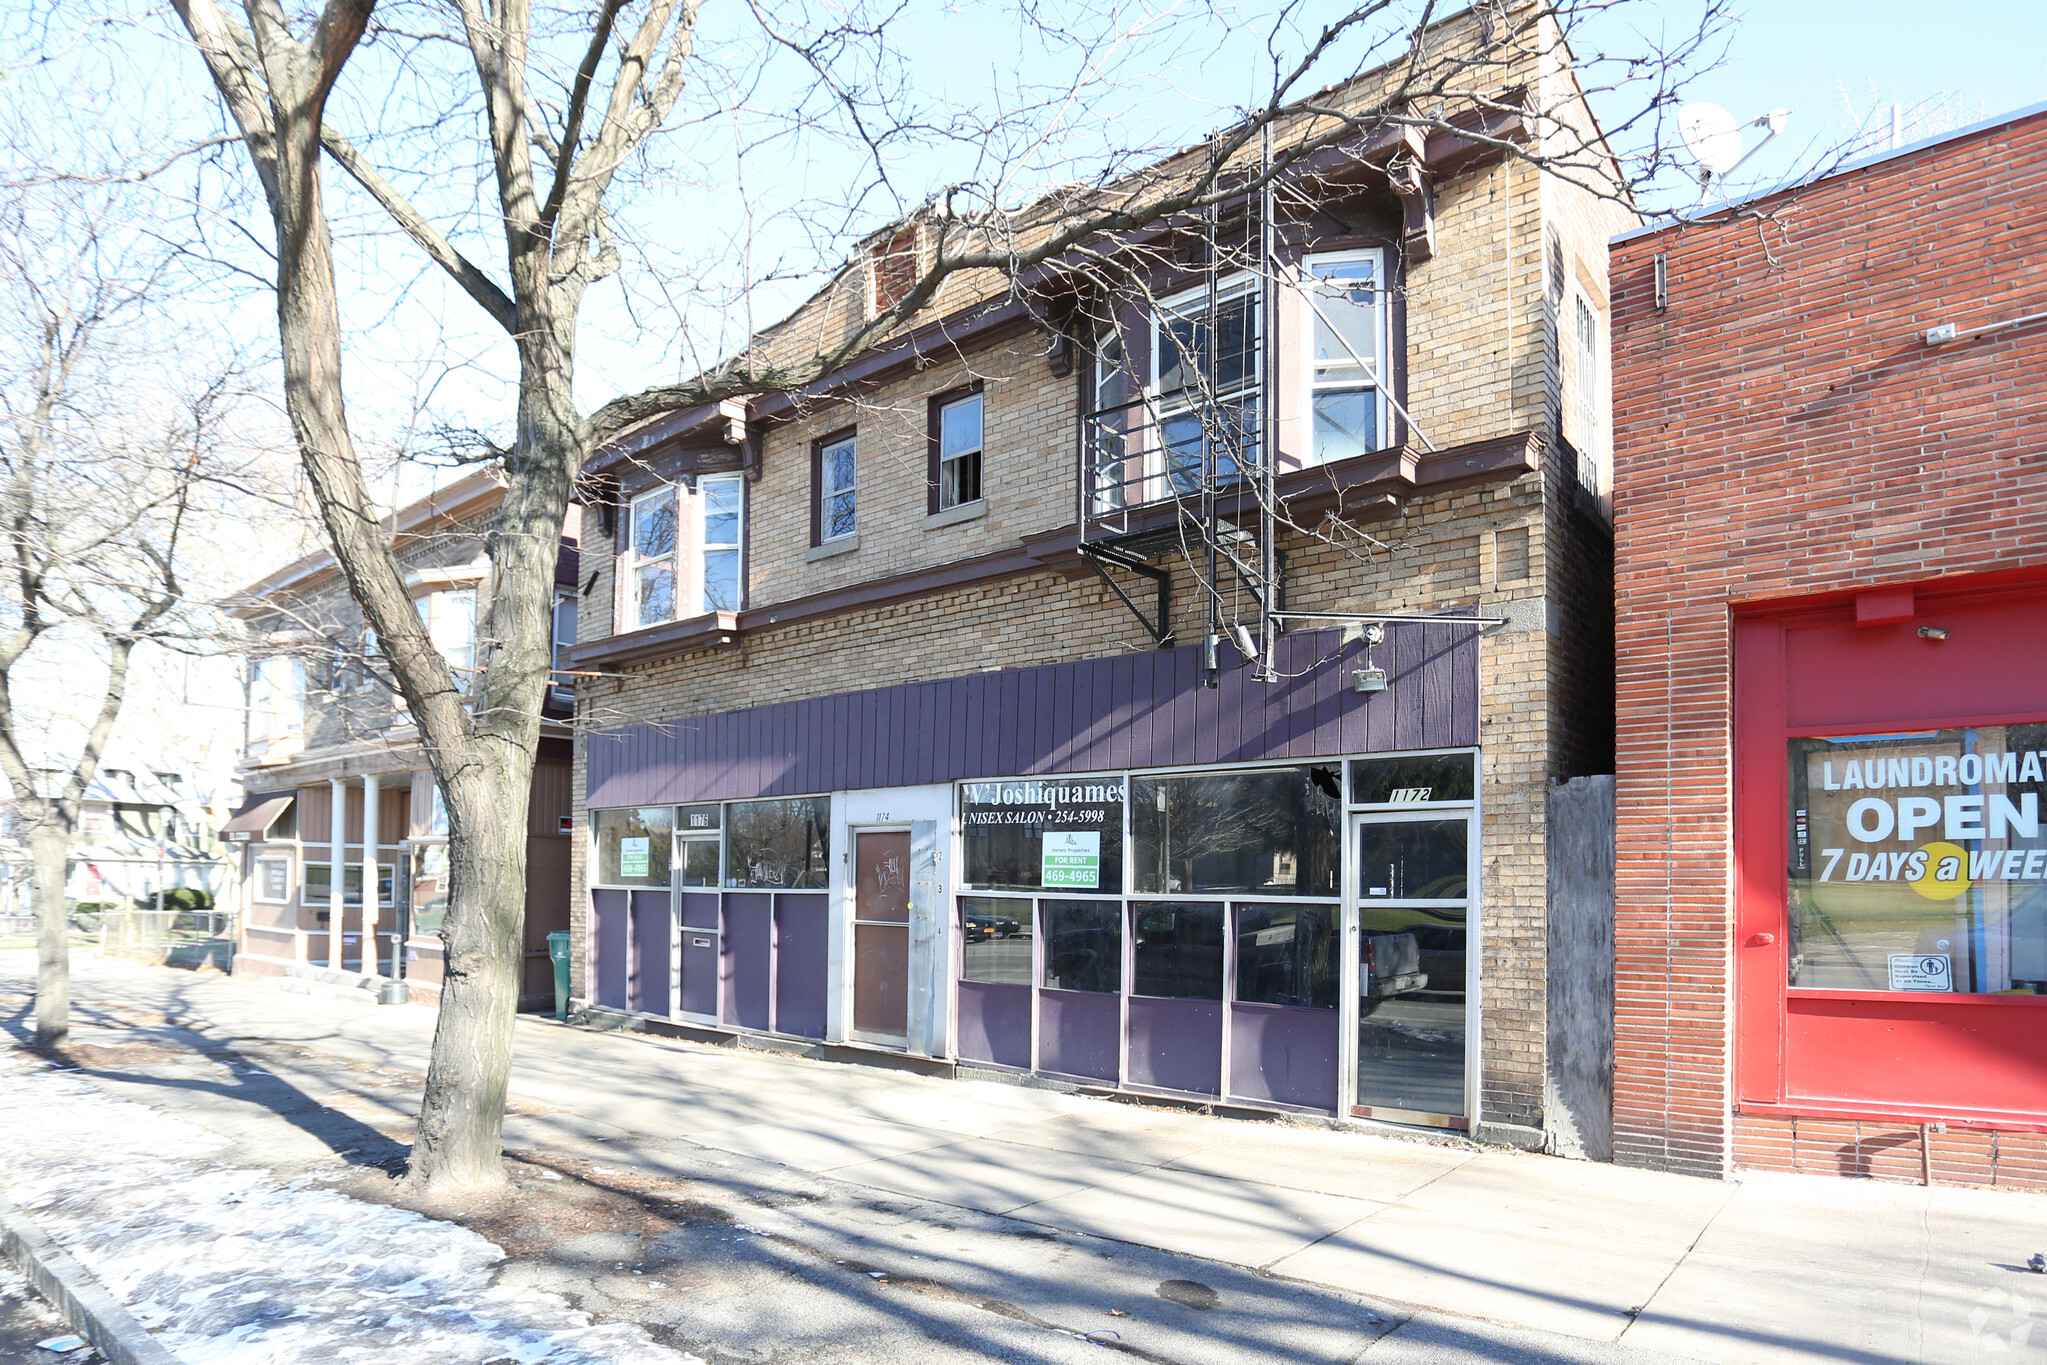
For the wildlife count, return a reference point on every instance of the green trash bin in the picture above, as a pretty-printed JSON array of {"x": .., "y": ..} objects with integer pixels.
[{"x": 558, "y": 952}]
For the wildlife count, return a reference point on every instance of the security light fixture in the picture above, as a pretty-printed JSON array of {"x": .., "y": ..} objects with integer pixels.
[
  {"x": 1369, "y": 679},
  {"x": 1932, "y": 633}
]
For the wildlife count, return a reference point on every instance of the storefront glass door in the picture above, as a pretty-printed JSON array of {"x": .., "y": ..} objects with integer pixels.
[{"x": 1412, "y": 875}]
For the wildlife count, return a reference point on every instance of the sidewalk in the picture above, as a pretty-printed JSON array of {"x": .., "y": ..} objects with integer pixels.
[{"x": 1769, "y": 1268}]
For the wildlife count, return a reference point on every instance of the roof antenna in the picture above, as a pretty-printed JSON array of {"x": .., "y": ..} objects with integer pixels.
[{"x": 1714, "y": 139}]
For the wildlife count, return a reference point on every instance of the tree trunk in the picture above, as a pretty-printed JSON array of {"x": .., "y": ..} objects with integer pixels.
[{"x": 49, "y": 842}]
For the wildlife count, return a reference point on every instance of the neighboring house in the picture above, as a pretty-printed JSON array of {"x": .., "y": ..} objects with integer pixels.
[
  {"x": 914, "y": 730},
  {"x": 141, "y": 829},
  {"x": 1832, "y": 885},
  {"x": 329, "y": 737}
]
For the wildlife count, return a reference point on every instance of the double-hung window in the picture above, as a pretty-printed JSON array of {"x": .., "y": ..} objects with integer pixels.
[
  {"x": 649, "y": 568},
  {"x": 450, "y": 620},
  {"x": 1207, "y": 376},
  {"x": 1586, "y": 424},
  {"x": 837, "y": 500},
  {"x": 1346, "y": 294},
  {"x": 722, "y": 527},
  {"x": 1109, "y": 429},
  {"x": 959, "y": 452}
]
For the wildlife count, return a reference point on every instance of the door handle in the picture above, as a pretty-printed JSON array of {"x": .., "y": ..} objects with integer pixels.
[{"x": 1762, "y": 940}]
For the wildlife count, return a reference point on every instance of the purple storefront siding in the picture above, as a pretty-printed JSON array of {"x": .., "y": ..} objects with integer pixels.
[{"x": 1129, "y": 711}]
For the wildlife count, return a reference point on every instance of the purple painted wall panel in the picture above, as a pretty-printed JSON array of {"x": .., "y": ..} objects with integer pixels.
[
  {"x": 647, "y": 982},
  {"x": 1177, "y": 1044},
  {"x": 1078, "y": 1032},
  {"x": 700, "y": 970},
  {"x": 610, "y": 913},
  {"x": 1284, "y": 1054},
  {"x": 802, "y": 978},
  {"x": 700, "y": 910},
  {"x": 1137, "y": 711},
  {"x": 995, "y": 1024},
  {"x": 746, "y": 968}
]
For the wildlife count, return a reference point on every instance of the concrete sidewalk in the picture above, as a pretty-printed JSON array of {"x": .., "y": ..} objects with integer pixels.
[{"x": 1768, "y": 1268}]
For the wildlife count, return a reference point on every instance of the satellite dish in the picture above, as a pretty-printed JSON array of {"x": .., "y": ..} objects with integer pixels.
[{"x": 1712, "y": 137}]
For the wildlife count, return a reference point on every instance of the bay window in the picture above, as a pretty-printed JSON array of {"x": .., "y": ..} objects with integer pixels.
[
  {"x": 1346, "y": 320},
  {"x": 721, "y": 530},
  {"x": 682, "y": 552},
  {"x": 648, "y": 567},
  {"x": 1207, "y": 375}
]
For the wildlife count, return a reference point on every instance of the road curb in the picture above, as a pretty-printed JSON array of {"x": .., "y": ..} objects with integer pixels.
[{"x": 93, "y": 1312}]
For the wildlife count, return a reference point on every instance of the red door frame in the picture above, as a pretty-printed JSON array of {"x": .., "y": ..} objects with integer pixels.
[{"x": 1971, "y": 1059}]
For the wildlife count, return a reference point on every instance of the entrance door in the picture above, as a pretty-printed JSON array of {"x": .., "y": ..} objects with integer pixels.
[
  {"x": 1412, "y": 883},
  {"x": 881, "y": 937}
]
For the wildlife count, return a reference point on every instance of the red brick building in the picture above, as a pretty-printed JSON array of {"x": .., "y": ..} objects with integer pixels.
[{"x": 1830, "y": 435}]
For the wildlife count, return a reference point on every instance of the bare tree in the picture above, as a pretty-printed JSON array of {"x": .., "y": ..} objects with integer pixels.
[
  {"x": 104, "y": 475},
  {"x": 566, "y": 104}
]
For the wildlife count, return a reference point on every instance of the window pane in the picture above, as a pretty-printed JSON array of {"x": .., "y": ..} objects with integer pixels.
[
  {"x": 429, "y": 889},
  {"x": 1412, "y": 860},
  {"x": 838, "y": 467},
  {"x": 839, "y": 516},
  {"x": 995, "y": 940},
  {"x": 633, "y": 845},
  {"x": 1411, "y": 1028},
  {"x": 1285, "y": 955},
  {"x": 1083, "y": 945},
  {"x": 960, "y": 480},
  {"x": 784, "y": 844},
  {"x": 721, "y": 511},
  {"x": 1183, "y": 343},
  {"x": 1023, "y": 836},
  {"x": 1273, "y": 832},
  {"x": 959, "y": 427},
  {"x": 657, "y": 593},
  {"x": 697, "y": 819},
  {"x": 1346, "y": 306},
  {"x": 454, "y": 626},
  {"x": 1176, "y": 951},
  {"x": 654, "y": 525},
  {"x": 1917, "y": 862},
  {"x": 1346, "y": 423},
  {"x": 564, "y": 629},
  {"x": 1412, "y": 780},
  {"x": 699, "y": 862},
  {"x": 274, "y": 875},
  {"x": 721, "y": 580}
]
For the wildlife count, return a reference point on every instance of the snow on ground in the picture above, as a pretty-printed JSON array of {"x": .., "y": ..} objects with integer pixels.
[{"x": 237, "y": 1268}]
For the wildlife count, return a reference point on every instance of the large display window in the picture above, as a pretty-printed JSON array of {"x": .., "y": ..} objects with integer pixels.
[
  {"x": 633, "y": 845},
  {"x": 782, "y": 845},
  {"x": 1043, "y": 836},
  {"x": 1916, "y": 862},
  {"x": 1271, "y": 832}
]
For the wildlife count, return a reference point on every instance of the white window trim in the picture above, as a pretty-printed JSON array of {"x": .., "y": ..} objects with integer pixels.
[
  {"x": 700, "y": 556},
  {"x": 978, "y": 451},
  {"x": 629, "y": 564},
  {"x": 1381, "y": 382},
  {"x": 825, "y": 492},
  {"x": 385, "y": 872},
  {"x": 1587, "y": 398},
  {"x": 256, "y": 889}
]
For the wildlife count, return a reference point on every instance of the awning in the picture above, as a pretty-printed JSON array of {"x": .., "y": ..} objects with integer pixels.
[{"x": 253, "y": 821}]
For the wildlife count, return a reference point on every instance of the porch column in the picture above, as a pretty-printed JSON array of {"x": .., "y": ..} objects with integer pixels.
[
  {"x": 370, "y": 832},
  {"x": 337, "y": 871}
]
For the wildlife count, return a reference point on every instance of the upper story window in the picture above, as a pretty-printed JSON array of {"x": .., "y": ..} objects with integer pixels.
[
  {"x": 450, "y": 620},
  {"x": 1586, "y": 424},
  {"x": 1109, "y": 433},
  {"x": 277, "y": 700},
  {"x": 564, "y": 631},
  {"x": 721, "y": 499},
  {"x": 683, "y": 552},
  {"x": 648, "y": 570},
  {"x": 1207, "y": 376},
  {"x": 837, "y": 498},
  {"x": 1346, "y": 297},
  {"x": 959, "y": 451}
]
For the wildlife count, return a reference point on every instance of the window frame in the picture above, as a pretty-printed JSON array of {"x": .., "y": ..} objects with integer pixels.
[
  {"x": 630, "y": 564},
  {"x": 1381, "y": 380},
  {"x": 1242, "y": 284},
  {"x": 935, "y": 458},
  {"x": 564, "y": 596},
  {"x": 385, "y": 872},
  {"x": 701, "y": 552},
  {"x": 820, "y": 495},
  {"x": 432, "y": 608},
  {"x": 1588, "y": 328},
  {"x": 256, "y": 880}
]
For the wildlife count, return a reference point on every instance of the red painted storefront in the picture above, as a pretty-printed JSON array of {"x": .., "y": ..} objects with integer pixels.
[{"x": 1831, "y": 909}]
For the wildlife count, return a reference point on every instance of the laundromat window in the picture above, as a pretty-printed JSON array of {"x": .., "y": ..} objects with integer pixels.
[
  {"x": 1413, "y": 779},
  {"x": 1916, "y": 862}
]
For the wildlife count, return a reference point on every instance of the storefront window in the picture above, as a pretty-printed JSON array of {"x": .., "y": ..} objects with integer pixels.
[
  {"x": 1049, "y": 836},
  {"x": 429, "y": 889},
  {"x": 1083, "y": 945},
  {"x": 1413, "y": 860},
  {"x": 781, "y": 844},
  {"x": 1412, "y": 779},
  {"x": 633, "y": 845},
  {"x": 1285, "y": 955},
  {"x": 1176, "y": 951},
  {"x": 996, "y": 940},
  {"x": 1917, "y": 862},
  {"x": 1272, "y": 832}
]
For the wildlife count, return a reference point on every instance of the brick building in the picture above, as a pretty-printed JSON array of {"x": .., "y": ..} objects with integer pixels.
[
  {"x": 1831, "y": 935},
  {"x": 916, "y": 717},
  {"x": 329, "y": 737}
]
